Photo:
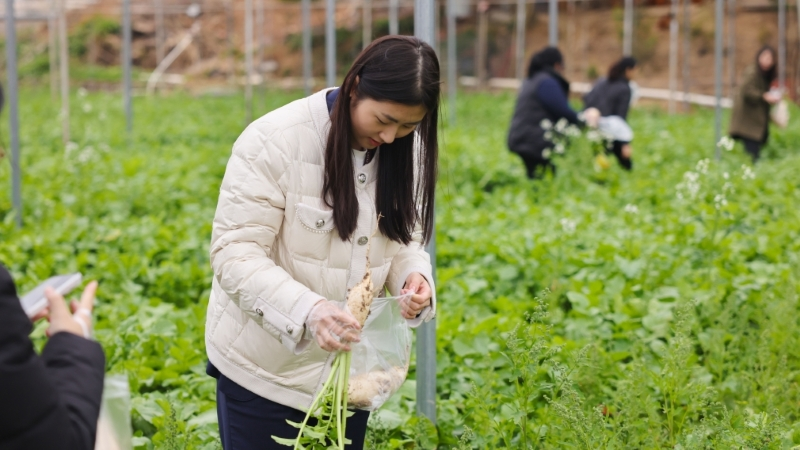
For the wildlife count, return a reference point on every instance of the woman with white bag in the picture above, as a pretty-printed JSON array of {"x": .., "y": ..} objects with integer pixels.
[{"x": 752, "y": 103}]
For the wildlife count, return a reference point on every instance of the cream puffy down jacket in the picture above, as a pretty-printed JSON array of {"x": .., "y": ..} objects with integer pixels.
[{"x": 275, "y": 252}]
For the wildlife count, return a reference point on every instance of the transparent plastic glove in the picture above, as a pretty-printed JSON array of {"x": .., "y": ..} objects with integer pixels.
[
  {"x": 332, "y": 326},
  {"x": 592, "y": 117}
]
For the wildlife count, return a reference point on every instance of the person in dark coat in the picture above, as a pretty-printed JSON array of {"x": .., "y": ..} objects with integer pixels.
[
  {"x": 752, "y": 102},
  {"x": 543, "y": 96},
  {"x": 50, "y": 401},
  {"x": 612, "y": 96}
]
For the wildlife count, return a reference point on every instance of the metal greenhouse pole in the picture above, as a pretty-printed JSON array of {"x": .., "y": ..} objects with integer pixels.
[
  {"x": 248, "y": 60},
  {"x": 330, "y": 43},
  {"x": 553, "y": 27},
  {"x": 366, "y": 22},
  {"x": 627, "y": 29},
  {"x": 731, "y": 46},
  {"x": 782, "y": 44},
  {"x": 13, "y": 109},
  {"x": 673, "y": 54},
  {"x": 394, "y": 27},
  {"x": 687, "y": 52},
  {"x": 424, "y": 29},
  {"x": 306, "y": 19},
  {"x": 126, "y": 64},
  {"x": 452, "y": 63},
  {"x": 52, "y": 31},
  {"x": 522, "y": 20},
  {"x": 63, "y": 68},
  {"x": 718, "y": 15}
]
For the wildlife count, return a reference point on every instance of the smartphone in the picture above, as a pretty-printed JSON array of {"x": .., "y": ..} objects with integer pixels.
[{"x": 35, "y": 301}]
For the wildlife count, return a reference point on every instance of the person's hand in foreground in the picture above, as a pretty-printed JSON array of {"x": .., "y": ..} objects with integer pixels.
[
  {"x": 78, "y": 321},
  {"x": 332, "y": 327},
  {"x": 417, "y": 285}
]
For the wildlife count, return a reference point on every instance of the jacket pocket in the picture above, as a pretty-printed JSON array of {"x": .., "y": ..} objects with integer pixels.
[{"x": 312, "y": 232}]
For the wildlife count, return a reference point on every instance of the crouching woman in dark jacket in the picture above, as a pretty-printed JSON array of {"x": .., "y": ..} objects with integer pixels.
[
  {"x": 612, "y": 97},
  {"x": 544, "y": 95},
  {"x": 50, "y": 401}
]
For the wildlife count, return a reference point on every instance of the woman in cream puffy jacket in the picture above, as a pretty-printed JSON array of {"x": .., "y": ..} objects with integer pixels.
[{"x": 298, "y": 207}]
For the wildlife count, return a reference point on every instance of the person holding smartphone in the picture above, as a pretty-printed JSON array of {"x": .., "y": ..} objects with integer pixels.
[
  {"x": 52, "y": 400},
  {"x": 311, "y": 188}
]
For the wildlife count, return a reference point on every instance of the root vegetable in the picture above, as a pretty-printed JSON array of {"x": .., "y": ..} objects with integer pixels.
[{"x": 330, "y": 404}]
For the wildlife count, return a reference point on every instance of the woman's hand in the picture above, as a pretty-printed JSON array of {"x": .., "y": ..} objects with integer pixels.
[
  {"x": 627, "y": 151},
  {"x": 592, "y": 117},
  {"x": 772, "y": 97},
  {"x": 417, "y": 285},
  {"x": 332, "y": 326},
  {"x": 79, "y": 321}
]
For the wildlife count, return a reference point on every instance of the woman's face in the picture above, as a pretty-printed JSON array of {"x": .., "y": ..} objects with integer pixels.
[
  {"x": 766, "y": 60},
  {"x": 630, "y": 73},
  {"x": 381, "y": 122}
]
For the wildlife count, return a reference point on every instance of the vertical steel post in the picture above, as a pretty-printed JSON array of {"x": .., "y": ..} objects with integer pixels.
[
  {"x": 673, "y": 54},
  {"x": 248, "y": 60},
  {"x": 52, "y": 44},
  {"x": 366, "y": 22},
  {"x": 330, "y": 42},
  {"x": 731, "y": 46},
  {"x": 394, "y": 27},
  {"x": 718, "y": 24},
  {"x": 522, "y": 20},
  {"x": 13, "y": 109},
  {"x": 481, "y": 52},
  {"x": 687, "y": 52},
  {"x": 452, "y": 64},
  {"x": 553, "y": 18},
  {"x": 306, "y": 5},
  {"x": 627, "y": 29},
  {"x": 63, "y": 68},
  {"x": 127, "y": 36},
  {"x": 782, "y": 44},
  {"x": 159, "y": 16},
  {"x": 426, "y": 334}
]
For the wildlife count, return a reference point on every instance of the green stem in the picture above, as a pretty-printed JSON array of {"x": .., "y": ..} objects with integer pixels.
[{"x": 315, "y": 403}]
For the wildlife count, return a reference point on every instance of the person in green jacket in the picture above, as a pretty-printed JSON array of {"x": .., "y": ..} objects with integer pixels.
[{"x": 752, "y": 102}]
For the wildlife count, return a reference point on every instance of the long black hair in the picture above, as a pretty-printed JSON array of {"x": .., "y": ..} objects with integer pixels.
[
  {"x": 546, "y": 58},
  {"x": 617, "y": 71},
  {"x": 771, "y": 74},
  {"x": 399, "y": 69}
]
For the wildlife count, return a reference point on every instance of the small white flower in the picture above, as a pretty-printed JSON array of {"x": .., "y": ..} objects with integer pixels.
[
  {"x": 573, "y": 131},
  {"x": 87, "y": 107},
  {"x": 86, "y": 154},
  {"x": 546, "y": 153},
  {"x": 593, "y": 136},
  {"x": 725, "y": 175},
  {"x": 82, "y": 92},
  {"x": 747, "y": 172},
  {"x": 561, "y": 125},
  {"x": 546, "y": 124},
  {"x": 568, "y": 226},
  {"x": 548, "y": 135},
  {"x": 70, "y": 147},
  {"x": 725, "y": 143},
  {"x": 631, "y": 209},
  {"x": 559, "y": 148},
  {"x": 663, "y": 134},
  {"x": 720, "y": 201},
  {"x": 727, "y": 187},
  {"x": 702, "y": 165}
]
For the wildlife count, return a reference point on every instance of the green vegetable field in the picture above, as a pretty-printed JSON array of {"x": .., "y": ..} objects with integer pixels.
[{"x": 596, "y": 310}]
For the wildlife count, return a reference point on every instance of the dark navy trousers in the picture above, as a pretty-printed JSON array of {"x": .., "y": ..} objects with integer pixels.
[{"x": 248, "y": 421}]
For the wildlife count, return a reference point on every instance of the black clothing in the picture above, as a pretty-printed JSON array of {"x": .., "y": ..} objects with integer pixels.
[
  {"x": 616, "y": 149},
  {"x": 248, "y": 422},
  {"x": 50, "y": 401},
  {"x": 612, "y": 98},
  {"x": 542, "y": 97}
]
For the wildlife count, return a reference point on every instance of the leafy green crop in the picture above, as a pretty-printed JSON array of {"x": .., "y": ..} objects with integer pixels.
[{"x": 671, "y": 320}]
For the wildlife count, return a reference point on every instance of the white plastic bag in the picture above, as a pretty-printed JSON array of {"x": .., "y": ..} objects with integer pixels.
[
  {"x": 380, "y": 361},
  {"x": 780, "y": 114},
  {"x": 114, "y": 425},
  {"x": 615, "y": 128}
]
